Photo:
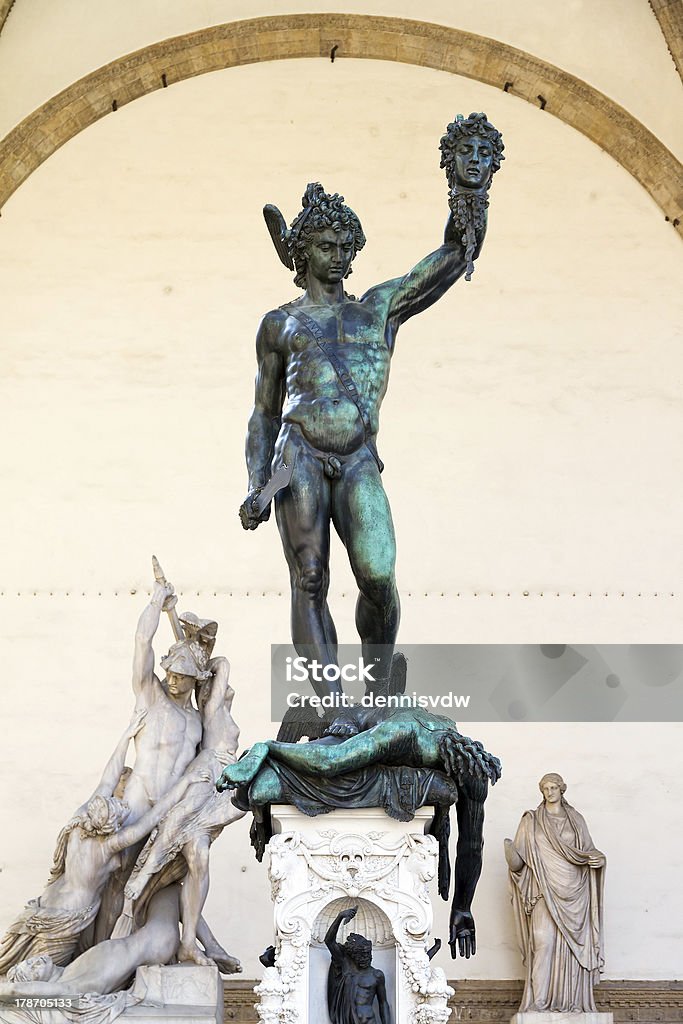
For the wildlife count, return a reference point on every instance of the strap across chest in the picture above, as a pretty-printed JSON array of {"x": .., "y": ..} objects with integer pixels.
[{"x": 345, "y": 379}]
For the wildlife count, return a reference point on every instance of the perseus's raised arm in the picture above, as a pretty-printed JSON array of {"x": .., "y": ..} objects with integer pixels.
[
  {"x": 471, "y": 152},
  {"x": 428, "y": 280},
  {"x": 264, "y": 422}
]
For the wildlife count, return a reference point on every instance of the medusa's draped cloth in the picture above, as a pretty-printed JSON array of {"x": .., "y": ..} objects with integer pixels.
[{"x": 558, "y": 901}]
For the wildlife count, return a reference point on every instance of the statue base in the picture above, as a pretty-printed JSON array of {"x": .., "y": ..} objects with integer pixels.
[
  {"x": 185, "y": 994},
  {"x": 561, "y": 1017},
  {"x": 351, "y": 858}
]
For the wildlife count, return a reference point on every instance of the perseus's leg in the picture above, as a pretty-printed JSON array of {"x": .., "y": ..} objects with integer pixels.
[
  {"x": 362, "y": 518},
  {"x": 303, "y": 517}
]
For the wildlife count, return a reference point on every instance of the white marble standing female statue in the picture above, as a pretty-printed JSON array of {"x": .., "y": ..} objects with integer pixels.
[{"x": 556, "y": 877}]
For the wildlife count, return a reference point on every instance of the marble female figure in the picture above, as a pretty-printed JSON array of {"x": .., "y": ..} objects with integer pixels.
[{"x": 556, "y": 882}]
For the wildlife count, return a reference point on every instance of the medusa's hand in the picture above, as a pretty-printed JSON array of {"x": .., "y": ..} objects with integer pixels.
[{"x": 463, "y": 934}]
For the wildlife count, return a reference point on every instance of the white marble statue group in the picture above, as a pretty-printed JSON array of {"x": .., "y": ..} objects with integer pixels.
[{"x": 130, "y": 873}]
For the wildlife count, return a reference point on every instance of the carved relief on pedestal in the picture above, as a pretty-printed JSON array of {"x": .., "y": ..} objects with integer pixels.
[{"x": 364, "y": 859}]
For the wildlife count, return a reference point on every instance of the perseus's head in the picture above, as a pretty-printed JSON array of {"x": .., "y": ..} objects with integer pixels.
[
  {"x": 471, "y": 152},
  {"x": 358, "y": 949},
  {"x": 325, "y": 235}
]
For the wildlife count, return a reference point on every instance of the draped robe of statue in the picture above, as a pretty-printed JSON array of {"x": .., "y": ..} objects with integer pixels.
[{"x": 558, "y": 902}]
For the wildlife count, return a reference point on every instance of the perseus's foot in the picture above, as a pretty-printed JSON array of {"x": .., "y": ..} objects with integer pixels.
[
  {"x": 245, "y": 770},
  {"x": 193, "y": 954}
]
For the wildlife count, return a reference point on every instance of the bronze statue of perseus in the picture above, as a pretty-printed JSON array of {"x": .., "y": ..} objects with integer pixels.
[{"x": 323, "y": 370}]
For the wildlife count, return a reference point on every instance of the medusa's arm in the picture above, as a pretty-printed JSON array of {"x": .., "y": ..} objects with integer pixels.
[{"x": 468, "y": 861}]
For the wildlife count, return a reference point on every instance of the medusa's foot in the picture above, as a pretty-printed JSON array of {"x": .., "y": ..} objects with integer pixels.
[{"x": 245, "y": 770}]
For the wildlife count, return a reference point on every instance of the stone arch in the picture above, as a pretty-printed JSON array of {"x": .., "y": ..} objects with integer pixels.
[{"x": 360, "y": 36}]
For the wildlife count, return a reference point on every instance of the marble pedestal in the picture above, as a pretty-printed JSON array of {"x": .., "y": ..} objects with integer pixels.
[
  {"x": 184, "y": 994},
  {"x": 561, "y": 1017},
  {"x": 320, "y": 866}
]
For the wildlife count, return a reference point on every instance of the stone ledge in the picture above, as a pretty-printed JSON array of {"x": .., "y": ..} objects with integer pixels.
[{"x": 496, "y": 1002}]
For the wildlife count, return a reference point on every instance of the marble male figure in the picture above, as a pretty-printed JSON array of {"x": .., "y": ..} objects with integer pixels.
[{"x": 183, "y": 837}]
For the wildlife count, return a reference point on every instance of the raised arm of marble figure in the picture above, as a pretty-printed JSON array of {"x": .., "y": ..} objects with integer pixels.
[
  {"x": 148, "y": 623},
  {"x": 115, "y": 764},
  {"x": 220, "y": 696}
]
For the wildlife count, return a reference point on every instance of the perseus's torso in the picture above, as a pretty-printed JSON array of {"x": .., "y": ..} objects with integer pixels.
[{"x": 316, "y": 400}]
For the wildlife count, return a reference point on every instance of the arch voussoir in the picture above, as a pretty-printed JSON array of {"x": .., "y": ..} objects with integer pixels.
[{"x": 288, "y": 37}]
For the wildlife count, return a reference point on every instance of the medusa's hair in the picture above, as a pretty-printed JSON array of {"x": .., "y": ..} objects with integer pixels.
[
  {"x": 461, "y": 128},
  {"x": 462, "y": 756},
  {"x": 357, "y": 946},
  {"x": 468, "y": 206},
  {"x": 320, "y": 210}
]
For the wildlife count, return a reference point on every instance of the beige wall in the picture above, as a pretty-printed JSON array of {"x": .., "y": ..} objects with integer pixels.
[
  {"x": 537, "y": 407},
  {"x": 614, "y": 45}
]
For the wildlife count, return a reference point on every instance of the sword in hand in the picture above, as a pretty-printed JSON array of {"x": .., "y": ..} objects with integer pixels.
[{"x": 255, "y": 508}]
